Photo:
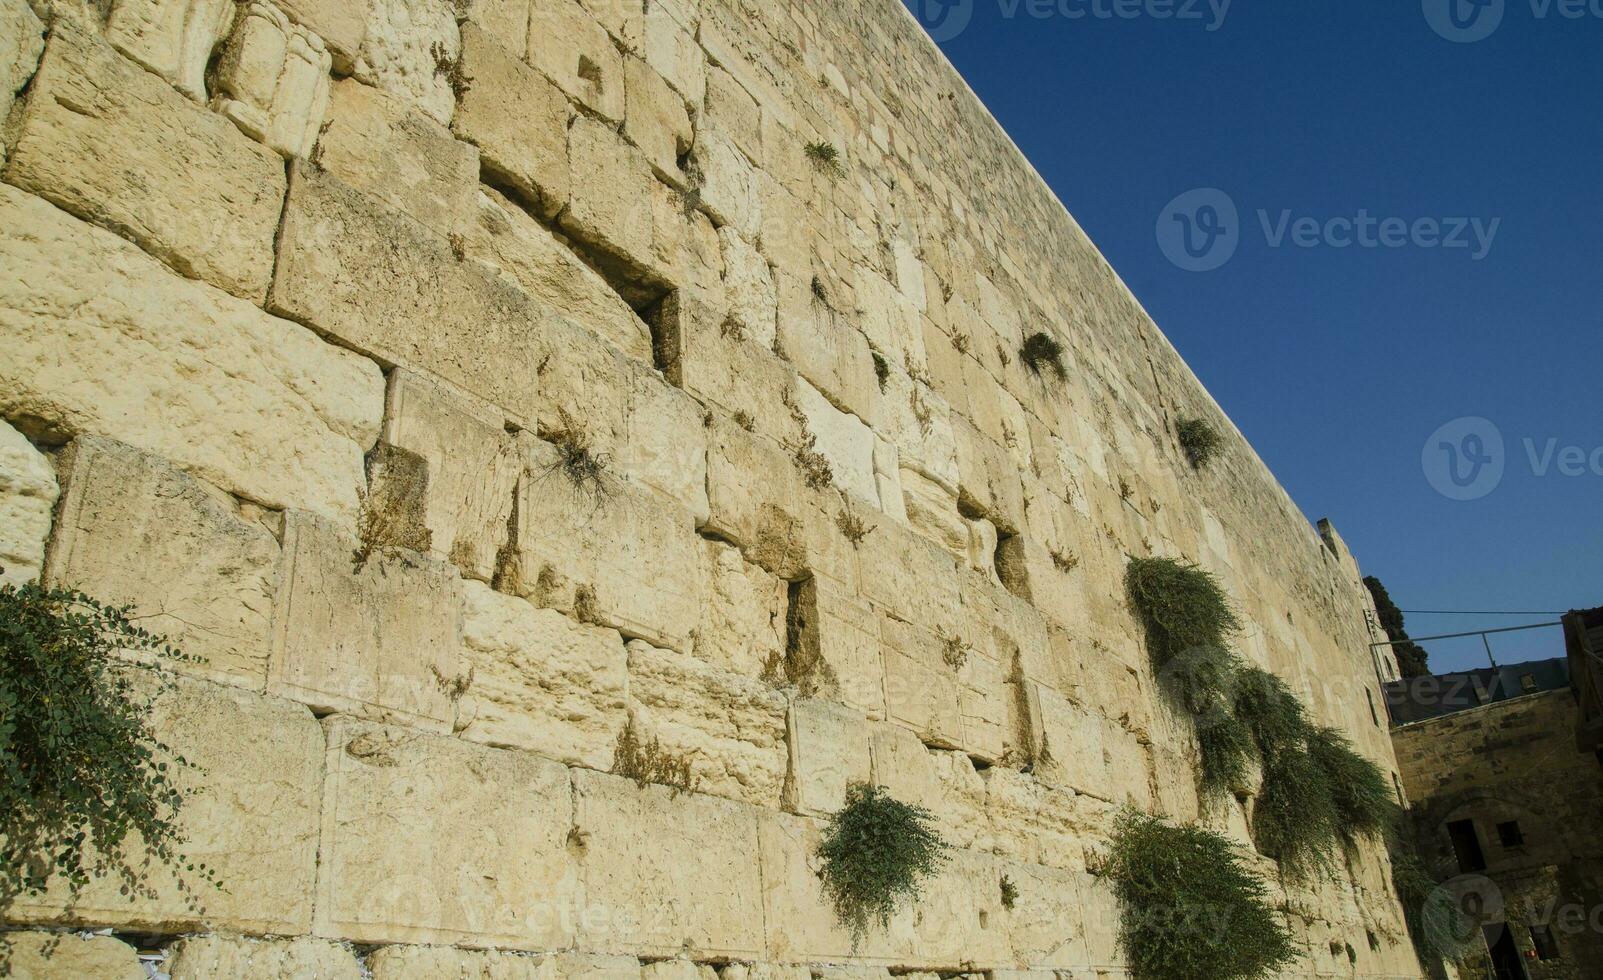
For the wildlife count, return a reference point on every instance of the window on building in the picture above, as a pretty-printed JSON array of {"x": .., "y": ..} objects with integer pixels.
[
  {"x": 1546, "y": 945},
  {"x": 1466, "y": 845},
  {"x": 1510, "y": 835},
  {"x": 1527, "y": 682}
]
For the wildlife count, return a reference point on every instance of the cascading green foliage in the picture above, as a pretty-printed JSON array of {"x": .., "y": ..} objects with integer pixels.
[
  {"x": 1271, "y": 711},
  {"x": 1364, "y": 803},
  {"x": 876, "y": 852},
  {"x": 1294, "y": 820},
  {"x": 86, "y": 790},
  {"x": 1190, "y": 907},
  {"x": 1200, "y": 440},
  {"x": 1189, "y": 624},
  {"x": 1227, "y": 753}
]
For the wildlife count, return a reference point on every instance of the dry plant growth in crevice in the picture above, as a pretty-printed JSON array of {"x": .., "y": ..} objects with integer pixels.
[
  {"x": 1043, "y": 352},
  {"x": 649, "y": 763},
  {"x": 826, "y": 158}
]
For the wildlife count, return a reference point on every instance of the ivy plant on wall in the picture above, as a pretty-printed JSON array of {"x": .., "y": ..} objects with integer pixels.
[
  {"x": 86, "y": 789},
  {"x": 876, "y": 853}
]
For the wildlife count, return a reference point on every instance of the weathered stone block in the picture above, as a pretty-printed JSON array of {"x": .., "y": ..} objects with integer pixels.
[
  {"x": 721, "y": 369},
  {"x": 341, "y": 25},
  {"x": 474, "y": 466},
  {"x": 732, "y": 111},
  {"x": 1046, "y": 926},
  {"x": 404, "y": 51},
  {"x": 655, "y": 119},
  {"x": 664, "y": 872},
  {"x": 921, "y": 687},
  {"x": 173, "y": 38},
  {"x": 843, "y": 440},
  {"x": 250, "y": 812},
  {"x": 742, "y": 625},
  {"x": 22, "y": 41},
  {"x": 528, "y": 254},
  {"x": 835, "y": 650},
  {"x": 825, "y": 348},
  {"x": 436, "y": 840},
  {"x": 731, "y": 728},
  {"x": 748, "y": 289},
  {"x": 605, "y": 211},
  {"x": 273, "y": 80},
  {"x": 1035, "y": 823},
  {"x": 671, "y": 49},
  {"x": 540, "y": 681},
  {"x": 97, "y": 334},
  {"x": 447, "y": 963},
  {"x": 801, "y": 923},
  {"x": 28, "y": 491},
  {"x": 829, "y": 751},
  {"x": 572, "y": 49},
  {"x": 588, "y": 966},
  {"x": 382, "y": 284},
  {"x": 61, "y": 956},
  {"x": 1071, "y": 747},
  {"x": 375, "y": 634},
  {"x": 213, "y": 957},
  {"x": 126, "y": 513},
  {"x": 608, "y": 551},
  {"x": 910, "y": 576},
  {"x": 97, "y": 136},
  {"x": 726, "y": 183},
  {"x": 518, "y": 120},
  {"x": 384, "y": 146}
]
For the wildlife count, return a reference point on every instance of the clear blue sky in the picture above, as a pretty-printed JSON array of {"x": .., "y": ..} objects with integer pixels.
[{"x": 1339, "y": 364}]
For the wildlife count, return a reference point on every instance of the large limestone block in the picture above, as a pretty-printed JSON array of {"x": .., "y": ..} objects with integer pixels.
[
  {"x": 922, "y": 426},
  {"x": 605, "y": 211},
  {"x": 655, "y": 119},
  {"x": 305, "y": 958},
  {"x": 541, "y": 681},
  {"x": 527, "y": 253},
  {"x": 28, "y": 491},
  {"x": 384, "y": 285},
  {"x": 889, "y": 320},
  {"x": 756, "y": 499},
  {"x": 835, "y": 652},
  {"x": 447, "y": 963},
  {"x": 435, "y": 840},
  {"x": 742, "y": 625},
  {"x": 1071, "y": 752},
  {"x": 22, "y": 41},
  {"x": 588, "y": 966},
  {"x": 731, "y": 110},
  {"x": 921, "y": 684},
  {"x": 671, "y": 49},
  {"x": 988, "y": 701},
  {"x": 825, "y": 348},
  {"x": 518, "y": 120},
  {"x": 97, "y": 337},
  {"x": 844, "y": 441},
  {"x": 378, "y": 637},
  {"x": 719, "y": 368},
  {"x": 611, "y": 552},
  {"x": 136, "y": 530},
  {"x": 385, "y": 146},
  {"x": 250, "y": 813},
  {"x": 911, "y": 577},
  {"x": 1032, "y": 822},
  {"x": 802, "y": 926},
  {"x": 942, "y": 782},
  {"x": 829, "y": 752},
  {"x": 173, "y": 38},
  {"x": 273, "y": 80},
  {"x": 725, "y": 183},
  {"x": 666, "y": 872},
  {"x": 574, "y": 51},
  {"x": 749, "y": 289},
  {"x": 1129, "y": 767},
  {"x": 342, "y": 26},
  {"x": 405, "y": 50},
  {"x": 64, "y": 956},
  {"x": 1045, "y": 926},
  {"x": 98, "y": 136},
  {"x": 731, "y": 728},
  {"x": 474, "y": 466}
]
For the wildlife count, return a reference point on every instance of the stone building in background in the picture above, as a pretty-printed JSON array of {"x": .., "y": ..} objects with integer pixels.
[{"x": 1507, "y": 806}]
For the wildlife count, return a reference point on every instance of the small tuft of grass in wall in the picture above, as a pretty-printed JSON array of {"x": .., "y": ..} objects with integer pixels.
[
  {"x": 451, "y": 70},
  {"x": 649, "y": 763},
  {"x": 1042, "y": 352},
  {"x": 584, "y": 468},
  {"x": 826, "y": 158},
  {"x": 954, "y": 651},
  {"x": 1066, "y": 561},
  {"x": 746, "y": 420},
  {"x": 853, "y": 526},
  {"x": 87, "y": 789},
  {"x": 1200, "y": 441},
  {"x": 1190, "y": 907},
  {"x": 876, "y": 852},
  {"x": 882, "y": 369},
  {"x": 961, "y": 342}
]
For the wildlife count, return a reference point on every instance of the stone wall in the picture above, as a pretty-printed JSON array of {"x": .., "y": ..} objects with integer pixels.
[
  {"x": 465, "y": 384},
  {"x": 1516, "y": 762}
]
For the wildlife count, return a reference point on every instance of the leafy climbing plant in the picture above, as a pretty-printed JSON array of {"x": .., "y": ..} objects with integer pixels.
[
  {"x": 1190, "y": 907},
  {"x": 876, "y": 853},
  {"x": 86, "y": 789}
]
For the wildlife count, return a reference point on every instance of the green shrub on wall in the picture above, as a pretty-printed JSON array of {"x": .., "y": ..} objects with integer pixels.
[
  {"x": 1200, "y": 441},
  {"x": 1189, "y": 907},
  {"x": 86, "y": 790},
  {"x": 1184, "y": 609},
  {"x": 1364, "y": 803},
  {"x": 876, "y": 853}
]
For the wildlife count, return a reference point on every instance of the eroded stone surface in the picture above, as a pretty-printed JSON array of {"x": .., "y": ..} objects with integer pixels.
[
  {"x": 173, "y": 38},
  {"x": 100, "y": 338},
  {"x": 273, "y": 80},
  {"x": 28, "y": 490},
  {"x": 63, "y": 956},
  {"x": 209, "y": 957},
  {"x": 214, "y": 602},
  {"x": 519, "y": 121},
  {"x": 22, "y": 41}
]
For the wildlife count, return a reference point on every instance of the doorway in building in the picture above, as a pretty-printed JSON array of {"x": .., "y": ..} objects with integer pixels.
[{"x": 1506, "y": 962}]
